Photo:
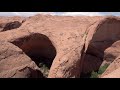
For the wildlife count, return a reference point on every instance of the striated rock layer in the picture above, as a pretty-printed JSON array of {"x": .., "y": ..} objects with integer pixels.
[{"x": 69, "y": 46}]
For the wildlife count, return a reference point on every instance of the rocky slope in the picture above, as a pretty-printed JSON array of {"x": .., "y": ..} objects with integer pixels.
[{"x": 70, "y": 47}]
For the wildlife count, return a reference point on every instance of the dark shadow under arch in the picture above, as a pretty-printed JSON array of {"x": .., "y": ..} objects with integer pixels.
[{"x": 38, "y": 47}]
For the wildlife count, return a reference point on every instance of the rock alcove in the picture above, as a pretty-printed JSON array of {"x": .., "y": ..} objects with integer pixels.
[{"x": 38, "y": 47}]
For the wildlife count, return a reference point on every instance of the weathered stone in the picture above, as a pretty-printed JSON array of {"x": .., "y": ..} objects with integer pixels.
[
  {"x": 15, "y": 64},
  {"x": 69, "y": 45}
]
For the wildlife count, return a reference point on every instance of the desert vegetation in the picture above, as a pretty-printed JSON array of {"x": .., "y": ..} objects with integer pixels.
[{"x": 96, "y": 74}]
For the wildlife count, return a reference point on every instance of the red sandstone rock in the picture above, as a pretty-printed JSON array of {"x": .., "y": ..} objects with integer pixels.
[
  {"x": 69, "y": 45},
  {"x": 15, "y": 64},
  {"x": 65, "y": 33},
  {"x": 101, "y": 36},
  {"x": 113, "y": 74}
]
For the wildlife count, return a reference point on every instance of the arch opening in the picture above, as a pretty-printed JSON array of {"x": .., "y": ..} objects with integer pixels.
[
  {"x": 102, "y": 47},
  {"x": 39, "y": 48}
]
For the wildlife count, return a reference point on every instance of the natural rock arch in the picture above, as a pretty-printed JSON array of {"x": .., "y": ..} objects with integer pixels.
[
  {"x": 100, "y": 37},
  {"x": 38, "y": 47}
]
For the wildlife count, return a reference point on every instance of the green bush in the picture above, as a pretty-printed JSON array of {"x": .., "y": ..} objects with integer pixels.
[
  {"x": 44, "y": 69},
  {"x": 94, "y": 75},
  {"x": 100, "y": 71},
  {"x": 103, "y": 68}
]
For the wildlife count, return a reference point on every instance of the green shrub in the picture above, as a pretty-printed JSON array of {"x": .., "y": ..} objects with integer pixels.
[
  {"x": 44, "y": 69},
  {"x": 100, "y": 71},
  {"x": 94, "y": 75}
]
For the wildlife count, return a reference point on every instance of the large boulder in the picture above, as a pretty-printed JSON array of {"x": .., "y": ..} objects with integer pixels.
[{"x": 14, "y": 63}]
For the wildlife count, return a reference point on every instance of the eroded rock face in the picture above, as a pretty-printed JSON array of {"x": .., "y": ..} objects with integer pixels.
[
  {"x": 70, "y": 45},
  {"x": 102, "y": 43},
  {"x": 15, "y": 64}
]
